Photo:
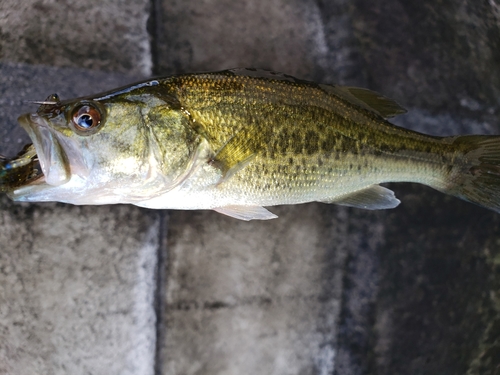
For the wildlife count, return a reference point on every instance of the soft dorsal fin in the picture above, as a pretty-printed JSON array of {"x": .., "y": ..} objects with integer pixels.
[{"x": 367, "y": 99}]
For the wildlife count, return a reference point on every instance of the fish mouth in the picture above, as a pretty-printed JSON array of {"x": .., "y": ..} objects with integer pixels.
[{"x": 50, "y": 153}]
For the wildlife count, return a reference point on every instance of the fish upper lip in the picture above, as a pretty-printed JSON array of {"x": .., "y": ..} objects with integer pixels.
[{"x": 51, "y": 155}]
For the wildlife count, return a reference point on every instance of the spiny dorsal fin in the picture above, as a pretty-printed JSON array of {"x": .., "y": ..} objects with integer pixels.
[
  {"x": 367, "y": 99},
  {"x": 267, "y": 74},
  {"x": 364, "y": 98}
]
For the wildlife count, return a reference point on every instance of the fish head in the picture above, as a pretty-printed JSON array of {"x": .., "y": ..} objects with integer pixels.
[
  {"x": 58, "y": 132},
  {"x": 103, "y": 150}
]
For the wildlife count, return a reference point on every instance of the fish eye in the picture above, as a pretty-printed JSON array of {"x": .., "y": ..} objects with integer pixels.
[{"x": 86, "y": 119}]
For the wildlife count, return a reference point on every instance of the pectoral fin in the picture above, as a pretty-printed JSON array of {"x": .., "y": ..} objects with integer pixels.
[
  {"x": 239, "y": 150},
  {"x": 374, "y": 197},
  {"x": 246, "y": 212}
]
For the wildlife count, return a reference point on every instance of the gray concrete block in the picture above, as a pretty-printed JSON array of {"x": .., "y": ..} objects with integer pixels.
[
  {"x": 108, "y": 36},
  {"x": 76, "y": 289},
  {"x": 76, "y": 283},
  {"x": 253, "y": 297},
  {"x": 213, "y": 35},
  {"x": 437, "y": 305},
  {"x": 247, "y": 298},
  {"x": 322, "y": 289},
  {"x": 431, "y": 70},
  {"x": 431, "y": 292},
  {"x": 439, "y": 57}
]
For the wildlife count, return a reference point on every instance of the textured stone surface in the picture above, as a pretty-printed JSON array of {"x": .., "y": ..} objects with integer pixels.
[
  {"x": 76, "y": 283},
  {"x": 321, "y": 290},
  {"x": 439, "y": 282},
  {"x": 213, "y": 35},
  {"x": 437, "y": 56},
  {"x": 253, "y": 298},
  {"x": 76, "y": 289},
  {"x": 432, "y": 296},
  {"x": 94, "y": 35}
]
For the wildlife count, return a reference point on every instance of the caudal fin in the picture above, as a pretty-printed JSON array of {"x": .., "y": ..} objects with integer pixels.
[{"x": 478, "y": 179}]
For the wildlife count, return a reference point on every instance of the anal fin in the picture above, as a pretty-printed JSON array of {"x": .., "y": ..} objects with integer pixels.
[
  {"x": 246, "y": 212},
  {"x": 374, "y": 197}
]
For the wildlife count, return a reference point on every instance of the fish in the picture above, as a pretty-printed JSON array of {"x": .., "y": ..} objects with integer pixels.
[{"x": 240, "y": 140}]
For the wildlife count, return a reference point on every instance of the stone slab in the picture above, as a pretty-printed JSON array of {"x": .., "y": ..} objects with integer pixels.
[
  {"x": 247, "y": 298},
  {"x": 410, "y": 272},
  {"x": 213, "y": 35},
  {"x": 430, "y": 300},
  {"x": 76, "y": 283},
  {"x": 253, "y": 297},
  {"x": 110, "y": 36},
  {"x": 413, "y": 290},
  {"x": 438, "y": 57}
]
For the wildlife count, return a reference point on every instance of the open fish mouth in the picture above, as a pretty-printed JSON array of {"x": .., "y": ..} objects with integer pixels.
[
  {"x": 50, "y": 161},
  {"x": 50, "y": 153}
]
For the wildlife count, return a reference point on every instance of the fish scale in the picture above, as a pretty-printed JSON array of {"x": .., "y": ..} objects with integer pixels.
[{"x": 299, "y": 126}]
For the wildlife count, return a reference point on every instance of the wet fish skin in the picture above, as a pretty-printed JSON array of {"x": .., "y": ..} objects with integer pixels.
[{"x": 237, "y": 140}]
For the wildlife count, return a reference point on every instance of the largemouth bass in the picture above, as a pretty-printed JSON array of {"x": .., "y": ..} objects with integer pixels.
[{"x": 238, "y": 140}]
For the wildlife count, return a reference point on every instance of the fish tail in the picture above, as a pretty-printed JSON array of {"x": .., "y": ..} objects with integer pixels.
[{"x": 476, "y": 178}]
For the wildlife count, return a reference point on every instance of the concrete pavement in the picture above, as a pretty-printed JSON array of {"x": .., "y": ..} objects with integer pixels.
[{"x": 323, "y": 289}]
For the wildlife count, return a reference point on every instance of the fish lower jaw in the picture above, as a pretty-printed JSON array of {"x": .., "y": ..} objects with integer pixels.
[{"x": 87, "y": 190}]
